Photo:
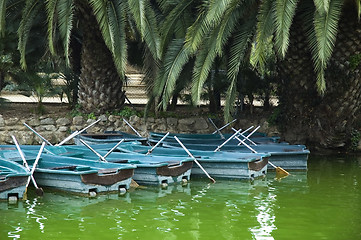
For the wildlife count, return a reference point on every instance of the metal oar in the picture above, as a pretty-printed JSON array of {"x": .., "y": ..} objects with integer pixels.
[
  {"x": 96, "y": 153},
  {"x": 74, "y": 134},
  {"x": 249, "y": 135},
  {"x": 136, "y": 132},
  {"x": 38, "y": 134},
  {"x": 111, "y": 150},
  {"x": 194, "y": 159},
  {"x": 214, "y": 125},
  {"x": 34, "y": 166},
  {"x": 220, "y": 129},
  {"x": 229, "y": 139},
  {"x": 39, "y": 191},
  {"x": 156, "y": 145},
  {"x": 280, "y": 172}
]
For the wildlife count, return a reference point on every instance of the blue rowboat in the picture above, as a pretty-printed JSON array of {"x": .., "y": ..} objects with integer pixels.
[
  {"x": 151, "y": 170},
  {"x": 106, "y": 137},
  {"x": 76, "y": 175},
  {"x": 201, "y": 136},
  {"x": 13, "y": 179},
  {"x": 288, "y": 157},
  {"x": 224, "y": 166},
  {"x": 211, "y": 138}
]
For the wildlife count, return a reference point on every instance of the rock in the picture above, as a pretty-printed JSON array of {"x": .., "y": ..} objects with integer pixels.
[
  {"x": 113, "y": 118},
  {"x": 172, "y": 122},
  {"x": 2, "y": 122},
  {"x": 200, "y": 124},
  {"x": 63, "y": 129},
  {"x": 34, "y": 122},
  {"x": 47, "y": 121},
  {"x": 11, "y": 121},
  {"x": 78, "y": 120},
  {"x": 63, "y": 121}
]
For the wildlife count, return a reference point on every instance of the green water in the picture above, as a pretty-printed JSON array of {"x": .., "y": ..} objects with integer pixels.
[{"x": 323, "y": 203}]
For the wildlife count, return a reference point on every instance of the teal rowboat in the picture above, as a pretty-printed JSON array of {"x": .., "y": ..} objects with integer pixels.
[
  {"x": 76, "y": 175},
  {"x": 288, "y": 157},
  {"x": 239, "y": 166},
  {"x": 211, "y": 139},
  {"x": 150, "y": 170},
  {"x": 13, "y": 179},
  {"x": 106, "y": 137}
]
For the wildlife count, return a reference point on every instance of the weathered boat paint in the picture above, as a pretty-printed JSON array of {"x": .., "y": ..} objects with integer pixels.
[{"x": 13, "y": 179}]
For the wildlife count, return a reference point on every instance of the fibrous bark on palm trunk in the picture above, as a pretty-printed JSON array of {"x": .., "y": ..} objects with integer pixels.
[
  {"x": 100, "y": 88},
  {"x": 321, "y": 121}
]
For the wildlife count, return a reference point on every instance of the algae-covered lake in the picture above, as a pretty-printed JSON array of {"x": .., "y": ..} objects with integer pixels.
[{"x": 323, "y": 203}]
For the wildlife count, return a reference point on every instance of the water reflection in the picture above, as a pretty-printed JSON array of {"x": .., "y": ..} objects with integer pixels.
[{"x": 320, "y": 204}]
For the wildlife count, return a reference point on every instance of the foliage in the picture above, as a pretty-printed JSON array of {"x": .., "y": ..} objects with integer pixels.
[
  {"x": 354, "y": 139},
  {"x": 38, "y": 85},
  {"x": 355, "y": 61},
  {"x": 274, "y": 118},
  {"x": 127, "y": 112}
]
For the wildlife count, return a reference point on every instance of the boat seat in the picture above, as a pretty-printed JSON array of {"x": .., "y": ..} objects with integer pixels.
[
  {"x": 121, "y": 161},
  {"x": 72, "y": 168},
  {"x": 173, "y": 163}
]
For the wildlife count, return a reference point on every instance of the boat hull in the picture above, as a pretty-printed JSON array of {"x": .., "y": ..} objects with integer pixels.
[
  {"x": 233, "y": 170},
  {"x": 13, "y": 180}
]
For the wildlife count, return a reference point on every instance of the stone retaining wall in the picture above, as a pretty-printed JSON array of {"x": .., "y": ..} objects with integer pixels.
[{"x": 55, "y": 130}]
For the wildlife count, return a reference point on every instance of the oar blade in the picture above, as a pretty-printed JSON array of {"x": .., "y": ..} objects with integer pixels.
[{"x": 281, "y": 173}]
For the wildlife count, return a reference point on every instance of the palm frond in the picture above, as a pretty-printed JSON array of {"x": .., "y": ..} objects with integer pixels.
[
  {"x": 239, "y": 45},
  {"x": 167, "y": 28},
  {"x": 284, "y": 13},
  {"x": 322, "y": 5},
  {"x": 65, "y": 24},
  {"x": 211, "y": 14},
  {"x": 213, "y": 47},
  {"x": 51, "y": 11},
  {"x": 111, "y": 19},
  {"x": 322, "y": 44},
  {"x": 2, "y": 16},
  {"x": 265, "y": 29},
  {"x": 146, "y": 21},
  {"x": 30, "y": 12},
  {"x": 174, "y": 60}
]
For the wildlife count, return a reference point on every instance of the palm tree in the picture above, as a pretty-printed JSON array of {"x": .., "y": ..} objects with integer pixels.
[
  {"x": 318, "y": 47},
  {"x": 315, "y": 42},
  {"x": 102, "y": 27}
]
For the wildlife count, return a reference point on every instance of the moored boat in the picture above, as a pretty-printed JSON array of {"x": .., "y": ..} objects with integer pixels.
[
  {"x": 106, "y": 137},
  {"x": 212, "y": 138},
  {"x": 225, "y": 166},
  {"x": 289, "y": 157},
  {"x": 76, "y": 175},
  {"x": 13, "y": 180}
]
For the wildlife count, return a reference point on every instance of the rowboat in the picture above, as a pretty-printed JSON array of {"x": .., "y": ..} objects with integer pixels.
[
  {"x": 13, "y": 180},
  {"x": 225, "y": 166},
  {"x": 76, "y": 175},
  {"x": 248, "y": 166},
  {"x": 201, "y": 136},
  {"x": 212, "y": 138},
  {"x": 150, "y": 170},
  {"x": 289, "y": 157},
  {"x": 106, "y": 137}
]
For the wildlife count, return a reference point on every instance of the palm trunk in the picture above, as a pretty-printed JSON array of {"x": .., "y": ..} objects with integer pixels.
[
  {"x": 100, "y": 88},
  {"x": 321, "y": 121}
]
